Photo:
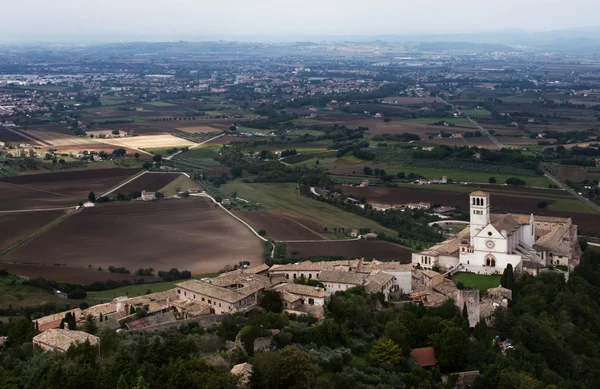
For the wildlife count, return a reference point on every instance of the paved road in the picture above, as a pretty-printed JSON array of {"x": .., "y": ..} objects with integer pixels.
[
  {"x": 492, "y": 138},
  {"x": 571, "y": 191}
]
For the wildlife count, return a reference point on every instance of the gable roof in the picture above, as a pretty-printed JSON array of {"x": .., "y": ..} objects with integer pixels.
[
  {"x": 212, "y": 291},
  {"x": 63, "y": 339},
  {"x": 342, "y": 277}
]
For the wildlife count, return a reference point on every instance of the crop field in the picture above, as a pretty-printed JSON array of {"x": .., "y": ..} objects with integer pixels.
[
  {"x": 514, "y": 200},
  {"x": 57, "y": 189},
  {"x": 59, "y": 139},
  {"x": 228, "y": 139},
  {"x": 75, "y": 275},
  {"x": 202, "y": 151},
  {"x": 197, "y": 137},
  {"x": 202, "y": 164},
  {"x": 368, "y": 249},
  {"x": 160, "y": 104},
  {"x": 181, "y": 183},
  {"x": 149, "y": 141},
  {"x": 198, "y": 129},
  {"x": 151, "y": 182},
  {"x": 282, "y": 225},
  {"x": 190, "y": 234},
  {"x": 573, "y": 174},
  {"x": 11, "y": 137},
  {"x": 16, "y": 226},
  {"x": 306, "y": 147},
  {"x": 285, "y": 197}
]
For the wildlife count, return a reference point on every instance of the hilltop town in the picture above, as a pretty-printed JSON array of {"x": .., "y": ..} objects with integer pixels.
[{"x": 373, "y": 215}]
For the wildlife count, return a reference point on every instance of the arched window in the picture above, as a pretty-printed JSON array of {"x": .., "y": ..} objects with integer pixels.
[
  {"x": 309, "y": 276},
  {"x": 294, "y": 275},
  {"x": 287, "y": 276}
]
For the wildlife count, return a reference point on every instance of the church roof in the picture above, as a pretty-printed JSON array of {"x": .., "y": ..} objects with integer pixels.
[
  {"x": 479, "y": 193},
  {"x": 558, "y": 240},
  {"x": 506, "y": 223}
]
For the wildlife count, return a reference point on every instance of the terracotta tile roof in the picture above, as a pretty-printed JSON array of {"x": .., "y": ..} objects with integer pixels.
[
  {"x": 63, "y": 339},
  {"x": 424, "y": 356},
  {"x": 376, "y": 281},
  {"x": 302, "y": 290},
  {"x": 317, "y": 266},
  {"x": 342, "y": 277},
  {"x": 213, "y": 291},
  {"x": 558, "y": 240},
  {"x": 479, "y": 193},
  {"x": 506, "y": 223},
  {"x": 53, "y": 321}
]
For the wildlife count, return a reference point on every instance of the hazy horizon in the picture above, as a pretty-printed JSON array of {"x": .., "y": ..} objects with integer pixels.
[{"x": 146, "y": 20}]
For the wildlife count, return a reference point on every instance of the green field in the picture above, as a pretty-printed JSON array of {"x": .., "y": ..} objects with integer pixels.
[
  {"x": 202, "y": 151},
  {"x": 181, "y": 183},
  {"x": 286, "y": 197},
  {"x": 164, "y": 151},
  {"x": 477, "y": 281},
  {"x": 457, "y": 121},
  {"x": 138, "y": 289},
  {"x": 473, "y": 177},
  {"x": 348, "y": 160},
  {"x": 477, "y": 112},
  {"x": 160, "y": 104},
  {"x": 308, "y": 147},
  {"x": 29, "y": 296}
]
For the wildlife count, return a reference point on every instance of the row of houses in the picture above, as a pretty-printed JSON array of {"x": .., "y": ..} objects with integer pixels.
[{"x": 208, "y": 300}]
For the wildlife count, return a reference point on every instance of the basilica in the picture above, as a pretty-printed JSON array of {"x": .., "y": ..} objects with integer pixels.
[{"x": 493, "y": 241}]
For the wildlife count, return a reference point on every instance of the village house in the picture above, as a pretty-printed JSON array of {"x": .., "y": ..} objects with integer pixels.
[
  {"x": 148, "y": 196},
  {"x": 60, "y": 340},
  {"x": 399, "y": 283}
]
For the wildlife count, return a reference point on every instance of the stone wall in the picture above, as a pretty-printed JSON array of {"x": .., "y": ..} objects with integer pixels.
[{"x": 470, "y": 297}]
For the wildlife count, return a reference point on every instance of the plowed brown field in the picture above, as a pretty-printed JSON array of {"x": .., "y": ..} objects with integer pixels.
[
  {"x": 189, "y": 234},
  {"x": 368, "y": 249},
  {"x": 281, "y": 225}
]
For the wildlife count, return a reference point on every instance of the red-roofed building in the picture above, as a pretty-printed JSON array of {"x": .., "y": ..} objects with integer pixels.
[{"x": 424, "y": 356}]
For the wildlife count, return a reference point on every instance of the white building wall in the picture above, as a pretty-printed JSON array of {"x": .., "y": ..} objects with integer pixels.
[{"x": 402, "y": 279}]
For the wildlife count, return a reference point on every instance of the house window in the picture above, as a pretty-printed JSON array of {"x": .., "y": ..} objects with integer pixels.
[
  {"x": 209, "y": 301},
  {"x": 219, "y": 305},
  {"x": 202, "y": 298},
  {"x": 185, "y": 293},
  {"x": 309, "y": 276},
  {"x": 287, "y": 276},
  {"x": 294, "y": 276}
]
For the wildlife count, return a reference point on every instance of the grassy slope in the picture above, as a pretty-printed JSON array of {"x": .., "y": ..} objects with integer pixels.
[
  {"x": 22, "y": 296},
  {"x": 286, "y": 198},
  {"x": 182, "y": 183},
  {"x": 477, "y": 281},
  {"x": 139, "y": 289}
]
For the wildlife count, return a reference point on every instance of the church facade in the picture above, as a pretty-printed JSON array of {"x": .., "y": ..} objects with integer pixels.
[{"x": 493, "y": 241}]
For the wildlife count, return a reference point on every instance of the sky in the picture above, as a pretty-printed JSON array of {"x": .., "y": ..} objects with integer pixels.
[{"x": 123, "y": 20}]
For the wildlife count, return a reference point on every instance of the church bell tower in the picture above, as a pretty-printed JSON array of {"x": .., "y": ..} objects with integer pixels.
[{"x": 480, "y": 212}]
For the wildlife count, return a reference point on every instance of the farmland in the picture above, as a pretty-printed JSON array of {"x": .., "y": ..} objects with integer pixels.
[
  {"x": 16, "y": 226},
  {"x": 57, "y": 189},
  {"x": 148, "y": 141},
  {"x": 189, "y": 234},
  {"x": 284, "y": 197},
  {"x": 151, "y": 182},
  {"x": 506, "y": 200},
  {"x": 282, "y": 226},
  {"x": 74, "y": 275},
  {"x": 380, "y": 250}
]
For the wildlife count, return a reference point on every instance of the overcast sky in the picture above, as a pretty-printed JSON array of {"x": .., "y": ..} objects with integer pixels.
[{"x": 26, "y": 20}]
